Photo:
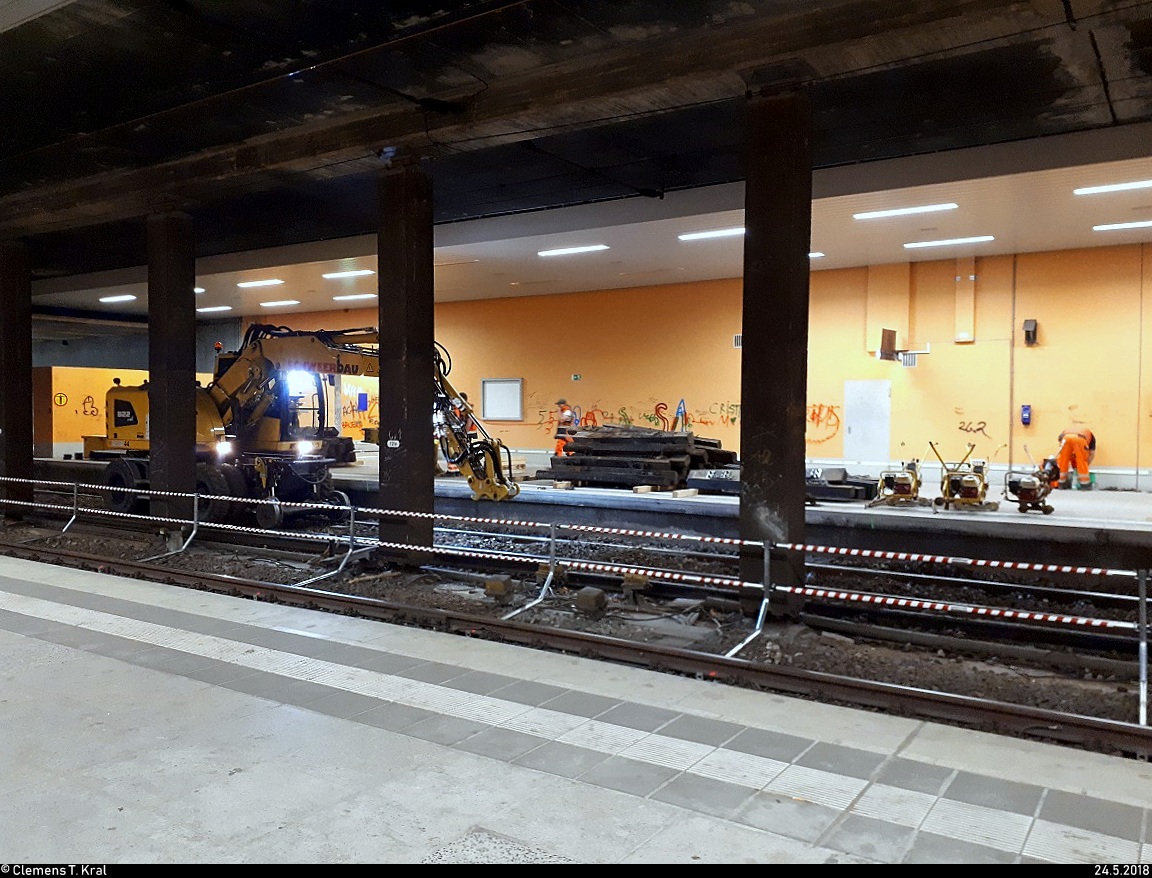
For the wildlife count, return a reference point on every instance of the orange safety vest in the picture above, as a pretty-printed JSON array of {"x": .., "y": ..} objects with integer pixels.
[
  {"x": 564, "y": 429},
  {"x": 565, "y": 426}
]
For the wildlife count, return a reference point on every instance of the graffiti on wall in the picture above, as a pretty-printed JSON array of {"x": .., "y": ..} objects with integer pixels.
[
  {"x": 822, "y": 423},
  {"x": 351, "y": 415},
  {"x": 974, "y": 427},
  {"x": 725, "y": 413},
  {"x": 660, "y": 416}
]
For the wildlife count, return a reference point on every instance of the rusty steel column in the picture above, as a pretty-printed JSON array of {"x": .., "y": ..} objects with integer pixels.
[
  {"x": 171, "y": 360},
  {"x": 407, "y": 454},
  {"x": 16, "y": 369},
  {"x": 774, "y": 356}
]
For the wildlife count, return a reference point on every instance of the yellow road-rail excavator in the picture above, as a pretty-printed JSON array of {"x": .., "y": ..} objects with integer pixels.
[
  {"x": 263, "y": 429},
  {"x": 485, "y": 461}
]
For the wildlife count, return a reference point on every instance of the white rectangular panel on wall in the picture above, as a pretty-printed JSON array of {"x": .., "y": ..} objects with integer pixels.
[
  {"x": 501, "y": 399},
  {"x": 867, "y": 421}
]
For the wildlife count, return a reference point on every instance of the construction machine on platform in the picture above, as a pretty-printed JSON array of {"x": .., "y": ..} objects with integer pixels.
[{"x": 264, "y": 432}]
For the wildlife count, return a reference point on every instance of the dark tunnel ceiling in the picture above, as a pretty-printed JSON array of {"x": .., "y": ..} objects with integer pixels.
[{"x": 263, "y": 119}]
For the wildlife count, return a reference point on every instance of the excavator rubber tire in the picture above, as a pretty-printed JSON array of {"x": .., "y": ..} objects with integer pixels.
[
  {"x": 123, "y": 473},
  {"x": 237, "y": 487},
  {"x": 211, "y": 480}
]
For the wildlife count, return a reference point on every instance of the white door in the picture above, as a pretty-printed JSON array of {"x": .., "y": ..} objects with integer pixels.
[{"x": 867, "y": 421}]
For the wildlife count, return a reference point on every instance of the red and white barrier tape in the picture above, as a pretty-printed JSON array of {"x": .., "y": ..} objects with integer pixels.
[
  {"x": 950, "y": 559},
  {"x": 941, "y": 606}
]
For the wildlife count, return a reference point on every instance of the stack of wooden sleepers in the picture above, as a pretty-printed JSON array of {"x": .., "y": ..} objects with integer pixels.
[{"x": 627, "y": 457}]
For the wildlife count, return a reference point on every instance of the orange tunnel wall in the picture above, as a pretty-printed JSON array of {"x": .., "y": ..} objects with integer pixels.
[{"x": 632, "y": 356}]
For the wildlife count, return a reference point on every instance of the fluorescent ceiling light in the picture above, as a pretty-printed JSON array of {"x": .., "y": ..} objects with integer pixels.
[
  {"x": 357, "y": 296},
  {"x": 279, "y": 304},
  {"x": 360, "y": 272},
  {"x": 198, "y": 289},
  {"x": 714, "y": 233},
  {"x": 1114, "y": 187},
  {"x": 212, "y": 308},
  {"x": 111, "y": 299},
  {"x": 973, "y": 240},
  {"x": 1108, "y": 227},
  {"x": 457, "y": 262},
  {"x": 271, "y": 282},
  {"x": 565, "y": 251},
  {"x": 904, "y": 211},
  {"x": 815, "y": 254}
]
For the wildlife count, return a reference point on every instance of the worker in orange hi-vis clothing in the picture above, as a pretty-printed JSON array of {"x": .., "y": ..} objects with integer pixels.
[
  {"x": 1077, "y": 449},
  {"x": 565, "y": 426}
]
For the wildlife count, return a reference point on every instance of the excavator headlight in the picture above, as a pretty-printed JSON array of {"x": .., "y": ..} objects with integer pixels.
[
  {"x": 223, "y": 448},
  {"x": 305, "y": 448}
]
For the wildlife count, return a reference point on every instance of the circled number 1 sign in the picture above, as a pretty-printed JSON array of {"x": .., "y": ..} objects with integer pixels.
[{"x": 60, "y": 399}]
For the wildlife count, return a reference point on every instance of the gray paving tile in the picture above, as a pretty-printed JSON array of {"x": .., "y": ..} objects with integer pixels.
[
  {"x": 991, "y": 792},
  {"x": 447, "y": 730},
  {"x": 169, "y": 660},
  {"x": 704, "y": 794},
  {"x": 278, "y": 640},
  {"x": 771, "y": 745},
  {"x": 504, "y": 744},
  {"x": 638, "y": 716},
  {"x": 155, "y": 615},
  {"x": 128, "y": 609},
  {"x": 930, "y": 849},
  {"x": 870, "y": 838},
  {"x": 480, "y": 682},
  {"x": 275, "y": 687},
  {"x": 69, "y": 635},
  {"x": 529, "y": 692},
  {"x": 198, "y": 624},
  {"x": 1097, "y": 815},
  {"x": 783, "y": 815},
  {"x": 581, "y": 703},
  {"x": 305, "y": 693},
  {"x": 393, "y": 717},
  {"x": 337, "y": 653},
  {"x": 30, "y": 626},
  {"x": 628, "y": 776},
  {"x": 433, "y": 672},
  {"x": 388, "y": 663},
  {"x": 701, "y": 730},
  {"x": 92, "y": 641},
  {"x": 122, "y": 648},
  {"x": 847, "y": 761},
  {"x": 342, "y": 704},
  {"x": 563, "y": 760},
  {"x": 217, "y": 672},
  {"x": 907, "y": 774}
]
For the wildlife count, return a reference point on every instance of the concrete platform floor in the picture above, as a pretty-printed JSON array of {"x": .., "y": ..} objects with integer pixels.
[{"x": 145, "y": 723}]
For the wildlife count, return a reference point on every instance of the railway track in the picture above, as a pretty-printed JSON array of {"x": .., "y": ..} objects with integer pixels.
[
  {"x": 554, "y": 625},
  {"x": 675, "y": 564}
]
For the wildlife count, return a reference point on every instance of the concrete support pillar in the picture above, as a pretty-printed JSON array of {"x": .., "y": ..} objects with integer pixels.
[
  {"x": 407, "y": 453},
  {"x": 172, "y": 359},
  {"x": 774, "y": 356},
  {"x": 16, "y": 369}
]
